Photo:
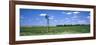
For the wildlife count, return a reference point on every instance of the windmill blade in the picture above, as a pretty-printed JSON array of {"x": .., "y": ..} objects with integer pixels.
[{"x": 47, "y": 17}]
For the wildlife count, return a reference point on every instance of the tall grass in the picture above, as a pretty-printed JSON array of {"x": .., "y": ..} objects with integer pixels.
[{"x": 54, "y": 30}]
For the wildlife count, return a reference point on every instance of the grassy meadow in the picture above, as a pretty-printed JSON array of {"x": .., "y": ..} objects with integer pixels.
[
  {"x": 36, "y": 21},
  {"x": 42, "y": 30}
]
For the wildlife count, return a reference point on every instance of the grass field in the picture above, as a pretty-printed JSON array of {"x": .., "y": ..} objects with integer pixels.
[{"x": 26, "y": 31}]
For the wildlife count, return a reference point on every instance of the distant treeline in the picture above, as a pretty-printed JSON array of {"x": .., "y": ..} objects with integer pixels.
[{"x": 73, "y": 25}]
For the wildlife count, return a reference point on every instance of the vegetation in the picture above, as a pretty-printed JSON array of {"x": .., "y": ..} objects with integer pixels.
[{"x": 59, "y": 29}]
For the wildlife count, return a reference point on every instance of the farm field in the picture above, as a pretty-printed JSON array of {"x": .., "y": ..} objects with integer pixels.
[{"x": 53, "y": 30}]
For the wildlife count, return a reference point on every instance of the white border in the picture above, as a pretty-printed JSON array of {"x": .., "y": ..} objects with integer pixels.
[{"x": 20, "y": 38}]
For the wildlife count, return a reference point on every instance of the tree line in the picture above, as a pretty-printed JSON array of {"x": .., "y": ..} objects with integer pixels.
[{"x": 72, "y": 25}]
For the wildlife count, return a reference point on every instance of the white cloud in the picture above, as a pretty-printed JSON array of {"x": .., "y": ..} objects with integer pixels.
[
  {"x": 81, "y": 21},
  {"x": 40, "y": 22},
  {"x": 74, "y": 16},
  {"x": 88, "y": 17},
  {"x": 51, "y": 17},
  {"x": 75, "y": 19},
  {"x": 66, "y": 18},
  {"x": 76, "y": 12},
  {"x": 55, "y": 20},
  {"x": 67, "y": 13},
  {"x": 43, "y": 14}
]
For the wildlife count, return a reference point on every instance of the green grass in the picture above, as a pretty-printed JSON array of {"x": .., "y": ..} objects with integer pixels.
[{"x": 26, "y": 31}]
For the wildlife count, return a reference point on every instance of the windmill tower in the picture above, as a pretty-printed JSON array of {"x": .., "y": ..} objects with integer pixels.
[{"x": 47, "y": 18}]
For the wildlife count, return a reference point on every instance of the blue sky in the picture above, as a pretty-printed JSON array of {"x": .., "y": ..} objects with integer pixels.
[{"x": 36, "y": 17}]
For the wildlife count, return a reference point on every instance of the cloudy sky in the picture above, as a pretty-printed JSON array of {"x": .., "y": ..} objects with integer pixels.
[{"x": 36, "y": 17}]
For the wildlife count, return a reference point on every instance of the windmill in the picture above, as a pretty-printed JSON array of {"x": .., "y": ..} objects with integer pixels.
[{"x": 47, "y": 18}]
